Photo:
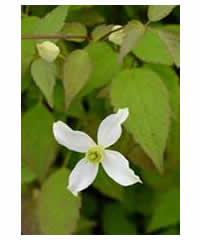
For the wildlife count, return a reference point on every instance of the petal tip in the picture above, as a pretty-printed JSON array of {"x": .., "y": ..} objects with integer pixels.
[
  {"x": 124, "y": 112},
  {"x": 140, "y": 181},
  {"x": 55, "y": 124},
  {"x": 73, "y": 192},
  {"x": 137, "y": 179}
]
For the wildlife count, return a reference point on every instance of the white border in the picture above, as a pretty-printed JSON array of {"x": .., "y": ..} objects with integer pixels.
[
  {"x": 102, "y": 2},
  {"x": 10, "y": 118}
]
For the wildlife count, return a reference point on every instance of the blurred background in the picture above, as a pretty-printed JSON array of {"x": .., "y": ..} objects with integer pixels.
[{"x": 105, "y": 207}]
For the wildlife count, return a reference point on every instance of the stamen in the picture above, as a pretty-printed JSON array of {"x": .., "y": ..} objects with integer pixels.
[{"x": 95, "y": 154}]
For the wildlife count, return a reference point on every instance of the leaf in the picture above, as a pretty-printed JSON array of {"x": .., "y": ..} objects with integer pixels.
[
  {"x": 87, "y": 15},
  {"x": 152, "y": 49},
  {"x": 171, "y": 38},
  {"x": 27, "y": 175},
  {"x": 77, "y": 70},
  {"x": 160, "y": 182},
  {"x": 85, "y": 226},
  {"x": 135, "y": 199},
  {"x": 58, "y": 208},
  {"x": 104, "y": 65},
  {"x": 101, "y": 31},
  {"x": 171, "y": 27},
  {"x": 53, "y": 22},
  {"x": 28, "y": 24},
  {"x": 158, "y": 12},
  {"x": 38, "y": 144},
  {"x": 173, "y": 146},
  {"x": 31, "y": 97},
  {"x": 133, "y": 33},
  {"x": 115, "y": 222},
  {"x": 44, "y": 75},
  {"x": 50, "y": 24},
  {"x": 174, "y": 230},
  {"x": 167, "y": 211},
  {"x": 107, "y": 186},
  {"x": 140, "y": 158},
  {"x": 76, "y": 110},
  {"x": 171, "y": 81},
  {"x": 59, "y": 97},
  {"x": 146, "y": 97},
  {"x": 29, "y": 213},
  {"x": 90, "y": 205},
  {"x": 26, "y": 80},
  {"x": 75, "y": 29}
]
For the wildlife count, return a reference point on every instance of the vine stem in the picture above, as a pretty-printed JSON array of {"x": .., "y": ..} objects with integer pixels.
[
  {"x": 62, "y": 36},
  {"x": 57, "y": 36}
]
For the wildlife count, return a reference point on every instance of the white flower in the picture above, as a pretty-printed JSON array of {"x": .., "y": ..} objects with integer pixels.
[
  {"x": 48, "y": 51},
  {"x": 118, "y": 36},
  {"x": 113, "y": 162}
]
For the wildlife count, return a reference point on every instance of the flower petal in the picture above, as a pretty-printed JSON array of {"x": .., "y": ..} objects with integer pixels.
[
  {"x": 110, "y": 128},
  {"x": 117, "y": 167},
  {"x": 82, "y": 176},
  {"x": 73, "y": 140}
]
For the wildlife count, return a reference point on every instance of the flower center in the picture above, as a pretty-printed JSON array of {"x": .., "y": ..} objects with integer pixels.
[{"x": 95, "y": 154}]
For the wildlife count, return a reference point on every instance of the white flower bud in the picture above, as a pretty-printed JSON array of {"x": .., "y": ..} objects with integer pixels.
[
  {"x": 117, "y": 37},
  {"x": 48, "y": 51}
]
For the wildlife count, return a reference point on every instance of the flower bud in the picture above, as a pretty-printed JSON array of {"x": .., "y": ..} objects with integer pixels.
[
  {"x": 48, "y": 51},
  {"x": 117, "y": 37}
]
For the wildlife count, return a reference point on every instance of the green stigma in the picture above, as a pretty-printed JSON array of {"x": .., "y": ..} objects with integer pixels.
[{"x": 95, "y": 154}]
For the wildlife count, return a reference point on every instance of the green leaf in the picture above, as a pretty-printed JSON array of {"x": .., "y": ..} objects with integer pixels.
[
  {"x": 161, "y": 182},
  {"x": 140, "y": 158},
  {"x": 44, "y": 75},
  {"x": 90, "y": 205},
  {"x": 28, "y": 25},
  {"x": 75, "y": 29},
  {"x": 26, "y": 80},
  {"x": 115, "y": 222},
  {"x": 167, "y": 211},
  {"x": 147, "y": 99},
  {"x": 135, "y": 199},
  {"x": 77, "y": 70},
  {"x": 59, "y": 97},
  {"x": 174, "y": 230},
  {"x": 27, "y": 175},
  {"x": 152, "y": 49},
  {"x": 29, "y": 212},
  {"x": 53, "y": 22},
  {"x": 50, "y": 24},
  {"x": 85, "y": 226},
  {"x": 87, "y": 15},
  {"x": 171, "y": 81},
  {"x": 38, "y": 144},
  {"x": 171, "y": 27},
  {"x": 158, "y": 12},
  {"x": 76, "y": 110},
  {"x": 173, "y": 146},
  {"x": 105, "y": 65},
  {"x": 171, "y": 38},
  {"x": 107, "y": 186},
  {"x": 133, "y": 33},
  {"x": 58, "y": 208},
  {"x": 100, "y": 31}
]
